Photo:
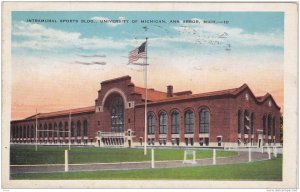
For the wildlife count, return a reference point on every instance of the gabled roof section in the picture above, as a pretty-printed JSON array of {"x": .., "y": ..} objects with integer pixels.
[
  {"x": 264, "y": 98},
  {"x": 127, "y": 77},
  {"x": 64, "y": 112}
]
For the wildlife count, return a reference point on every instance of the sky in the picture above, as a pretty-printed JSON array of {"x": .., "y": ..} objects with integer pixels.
[{"x": 59, "y": 64}]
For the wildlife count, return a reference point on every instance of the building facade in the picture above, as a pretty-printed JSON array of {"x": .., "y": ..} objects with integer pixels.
[{"x": 227, "y": 118}]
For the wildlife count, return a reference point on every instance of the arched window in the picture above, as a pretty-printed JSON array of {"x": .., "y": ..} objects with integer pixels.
[
  {"x": 50, "y": 130},
  {"x": 78, "y": 128},
  {"x": 204, "y": 120},
  {"x": 117, "y": 115},
  {"x": 151, "y": 124},
  {"x": 55, "y": 130},
  {"x": 239, "y": 121},
  {"x": 85, "y": 128},
  {"x": 246, "y": 122},
  {"x": 45, "y": 130},
  {"x": 60, "y": 129},
  {"x": 175, "y": 122},
  {"x": 269, "y": 124},
  {"x": 252, "y": 123},
  {"x": 72, "y": 129},
  {"x": 189, "y": 121},
  {"x": 274, "y": 127},
  {"x": 163, "y": 123},
  {"x": 264, "y": 124},
  {"x": 66, "y": 129}
]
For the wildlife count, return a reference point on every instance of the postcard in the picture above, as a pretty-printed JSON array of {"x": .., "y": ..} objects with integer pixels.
[{"x": 149, "y": 95}]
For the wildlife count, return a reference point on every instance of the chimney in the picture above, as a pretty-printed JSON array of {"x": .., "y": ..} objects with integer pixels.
[{"x": 170, "y": 91}]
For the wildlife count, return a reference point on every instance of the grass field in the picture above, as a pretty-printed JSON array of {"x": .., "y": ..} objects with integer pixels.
[
  {"x": 261, "y": 170},
  {"x": 24, "y": 155}
]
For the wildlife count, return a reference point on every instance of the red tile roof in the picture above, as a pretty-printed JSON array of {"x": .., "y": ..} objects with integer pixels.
[
  {"x": 64, "y": 112},
  {"x": 152, "y": 95}
]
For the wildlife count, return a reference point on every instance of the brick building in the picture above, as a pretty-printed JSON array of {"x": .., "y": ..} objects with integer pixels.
[{"x": 232, "y": 117}]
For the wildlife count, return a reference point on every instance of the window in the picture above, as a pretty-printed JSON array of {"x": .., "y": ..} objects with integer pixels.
[
  {"x": 66, "y": 129},
  {"x": 239, "y": 121},
  {"x": 85, "y": 128},
  {"x": 28, "y": 132},
  {"x": 60, "y": 129},
  {"x": 269, "y": 124},
  {"x": 175, "y": 122},
  {"x": 163, "y": 123},
  {"x": 78, "y": 128},
  {"x": 32, "y": 132},
  {"x": 72, "y": 129},
  {"x": 45, "y": 130},
  {"x": 24, "y": 132},
  {"x": 151, "y": 124},
  {"x": 274, "y": 127},
  {"x": 204, "y": 117},
  {"x": 252, "y": 123},
  {"x": 40, "y": 131},
  {"x": 246, "y": 122},
  {"x": 50, "y": 130},
  {"x": 55, "y": 130},
  {"x": 117, "y": 115},
  {"x": 264, "y": 124},
  {"x": 189, "y": 121}
]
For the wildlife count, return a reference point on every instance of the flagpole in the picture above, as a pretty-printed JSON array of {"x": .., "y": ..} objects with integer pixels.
[
  {"x": 146, "y": 95},
  {"x": 36, "y": 126}
]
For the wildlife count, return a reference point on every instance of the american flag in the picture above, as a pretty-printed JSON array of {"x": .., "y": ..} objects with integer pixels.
[{"x": 137, "y": 53}]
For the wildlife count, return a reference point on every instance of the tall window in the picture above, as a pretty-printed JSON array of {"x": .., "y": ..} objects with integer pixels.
[
  {"x": 50, "y": 130},
  {"x": 274, "y": 127},
  {"x": 204, "y": 117},
  {"x": 28, "y": 132},
  {"x": 24, "y": 132},
  {"x": 32, "y": 132},
  {"x": 264, "y": 124},
  {"x": 21, "y": 132},
  {"x": 45, "y": 130},
  {"x": 72, "y": 129},
  {"x": 151, "y": 124},
  {"x": 246, "y": 122},
  {"x": 269, "y": 124},
  {"x": 78, "y": 128},
  {"x": 117, "y": 115},
  {"x": 252, "y": 123},
  {"x": 239, "y": 121},
  {"x": 189, "y": 121},
  {"x": 55, "y": 130},
  {"x": 163, "y": 123},
  {"x": 41, "y": 132},
  {"x": 66, "y": 129},
  {"x": 85, "y": 128},
  {"x": 60, "y": 129},
  {"x": 175, "y": 122}
]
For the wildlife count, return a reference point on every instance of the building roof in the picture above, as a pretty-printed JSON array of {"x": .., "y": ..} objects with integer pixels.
[
  {"x": 152, "y": 95},
  {"x": 64, "y": 112}
]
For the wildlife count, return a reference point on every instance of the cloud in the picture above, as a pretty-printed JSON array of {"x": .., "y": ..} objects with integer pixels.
[
  {"x": 110, "y": 22},
  {"x": 204, "y": 33},
  {"x": 39, "y": 37}
]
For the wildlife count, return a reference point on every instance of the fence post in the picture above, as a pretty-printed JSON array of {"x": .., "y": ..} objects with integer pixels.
[
  {"x": 214, "y": 156},
  {"x": 269, "y": 152},
  {"x": 184, "y": 159},
  {"x": 249, "y": 150},
  {"x": 194, "y": 156},
  {"x": 152, "y": 158},
  {"x": 275, "y": 151},
  {"x": 66, "y": 161}
]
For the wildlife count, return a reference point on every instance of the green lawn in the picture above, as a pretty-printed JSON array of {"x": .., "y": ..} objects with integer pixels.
[
  {"x": 261, "y": 170},
  {"x": 24, "y": 155}
]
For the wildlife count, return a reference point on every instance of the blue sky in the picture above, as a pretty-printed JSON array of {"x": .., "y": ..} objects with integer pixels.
[{"x": 207, "y": 57}]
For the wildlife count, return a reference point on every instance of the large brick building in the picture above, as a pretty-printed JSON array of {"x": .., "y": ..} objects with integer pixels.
[{"x": 232, "y": 117}]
